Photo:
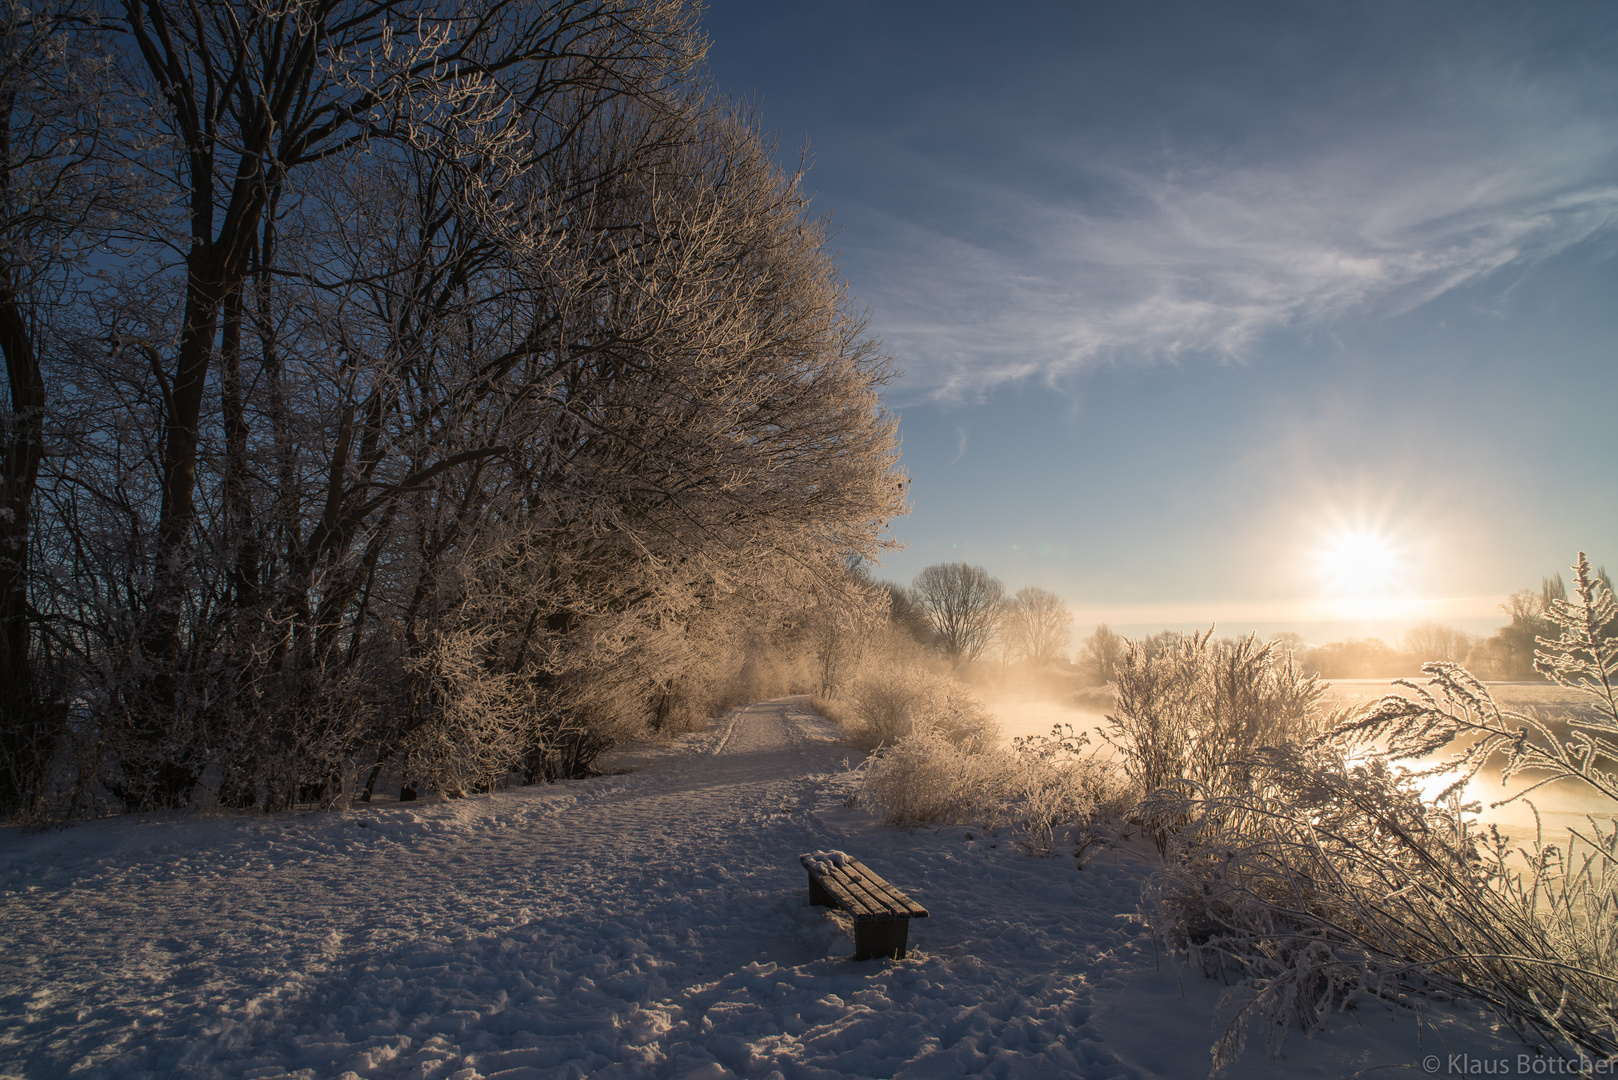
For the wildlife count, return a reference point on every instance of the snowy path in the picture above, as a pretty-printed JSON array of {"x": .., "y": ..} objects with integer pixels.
[{"x": 638, "y": 926}]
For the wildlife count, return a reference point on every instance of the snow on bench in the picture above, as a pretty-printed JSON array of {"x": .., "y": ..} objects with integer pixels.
[{"x": 881, "y": 913}]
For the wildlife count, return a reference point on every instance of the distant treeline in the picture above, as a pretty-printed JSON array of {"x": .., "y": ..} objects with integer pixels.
[{"x": 1505, "y": 655}]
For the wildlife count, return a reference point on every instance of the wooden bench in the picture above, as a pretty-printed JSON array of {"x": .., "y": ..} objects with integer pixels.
[{"x": 881, "y": 913}]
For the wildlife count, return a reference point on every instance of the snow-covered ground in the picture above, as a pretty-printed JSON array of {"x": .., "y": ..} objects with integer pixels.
[{"x": 647, "y": 925}]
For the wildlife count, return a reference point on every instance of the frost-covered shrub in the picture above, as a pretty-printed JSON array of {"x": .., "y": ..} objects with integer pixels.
[
  {"x": 925, "y": 778},
  {"x": 1056, "y": 782},
  {"x": 1034, "y": 789},
  {"x": 769, "y": 670},
  {"x": 476, "y": 721},
  {"x": 1192, "y": 709},
  {"x": 884, "y": 707},
  {"x": 936, "y": 760},
  {"x": 1324, "y": 880},
  {"x": 1332, "y": 880},
  {"x": 1329, "y": 876}
]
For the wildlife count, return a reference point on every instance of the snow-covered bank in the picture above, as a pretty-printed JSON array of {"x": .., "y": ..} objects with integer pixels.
[{"x": 649, "y": 925}]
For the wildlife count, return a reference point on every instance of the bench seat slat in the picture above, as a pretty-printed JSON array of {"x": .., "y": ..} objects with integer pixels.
[
  {"x": 888, "y": 897},
  {"x": 891, "y": 896},
  {"x": 877, "y": 904},
  {"x": 871, "y": 903},
  {"x": 840, "y": 892},
  {"x": 864, "y": 894},
  {"x": 850, "y": 896}
]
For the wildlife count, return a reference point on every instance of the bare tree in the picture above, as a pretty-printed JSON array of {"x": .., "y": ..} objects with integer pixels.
[
  {"x": 57, "y": 191},
  {"x": 963, "y": 605},
  {"x": 905, "y": 614},
  {"x": 258, "y": 93},
  {"x": 253, "y": 100},
  {"x": 1432, "y": 641},
  {"x": 1509, "y": 653},
  {"x": 1290, "y": 642},
  {"x": 482, "y": 379},
  {"x": 1038, "y": 625},
  {"x": 1101, "y": 653}
]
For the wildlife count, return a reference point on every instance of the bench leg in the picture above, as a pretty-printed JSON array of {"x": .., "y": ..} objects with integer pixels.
[
  {"x": 885, "y": 938},
  {"x": 818, "y": 896}
]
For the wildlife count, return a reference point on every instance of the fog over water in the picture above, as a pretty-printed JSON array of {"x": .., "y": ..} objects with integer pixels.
[{"x": 1023, "y": 716}]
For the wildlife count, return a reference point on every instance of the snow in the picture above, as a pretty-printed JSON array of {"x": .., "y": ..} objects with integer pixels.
[
  {"x": 653, "y": 924},
  {"x": 821, "y": 861}
]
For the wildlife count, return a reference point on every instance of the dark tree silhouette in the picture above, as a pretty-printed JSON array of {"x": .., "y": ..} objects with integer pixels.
[{"x": 963, "y": 605}]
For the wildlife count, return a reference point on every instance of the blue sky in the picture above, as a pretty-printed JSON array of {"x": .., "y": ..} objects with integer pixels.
[{"x": 1185, "y": 294}]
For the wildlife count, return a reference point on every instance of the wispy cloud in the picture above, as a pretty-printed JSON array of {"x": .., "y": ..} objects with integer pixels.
[{"x": 981, "y": 279}]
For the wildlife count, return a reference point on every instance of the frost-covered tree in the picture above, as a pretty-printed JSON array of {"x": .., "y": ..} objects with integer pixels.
[
  {"x": 1509, "y": 652},
  {"x": 259, "y": 108},
  {"x": 1037, "y": 625},
  {"x": 481, "y": 389},
  {"x": 905, "y": 614},
  {"x": 963, "y": 604},
  {"x": 1101, "y": 654}
]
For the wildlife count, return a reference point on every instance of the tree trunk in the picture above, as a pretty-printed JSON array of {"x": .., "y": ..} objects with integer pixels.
[
  {"x": 159, "y": 771},
  {"x": 27, "y": 741},
  {"x": 183, "y": 407},
  {"x": 241, "y": 535}
]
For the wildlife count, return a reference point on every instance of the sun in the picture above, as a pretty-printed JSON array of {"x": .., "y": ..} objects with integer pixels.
[{"x": 1361, "y": 564}]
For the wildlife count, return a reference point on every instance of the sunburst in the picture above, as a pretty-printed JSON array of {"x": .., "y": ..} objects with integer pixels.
[{"x": 1361, "y": 564}]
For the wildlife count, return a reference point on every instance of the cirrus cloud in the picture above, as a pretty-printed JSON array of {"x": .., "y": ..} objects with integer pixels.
[{"x": 982, "y": 276}]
